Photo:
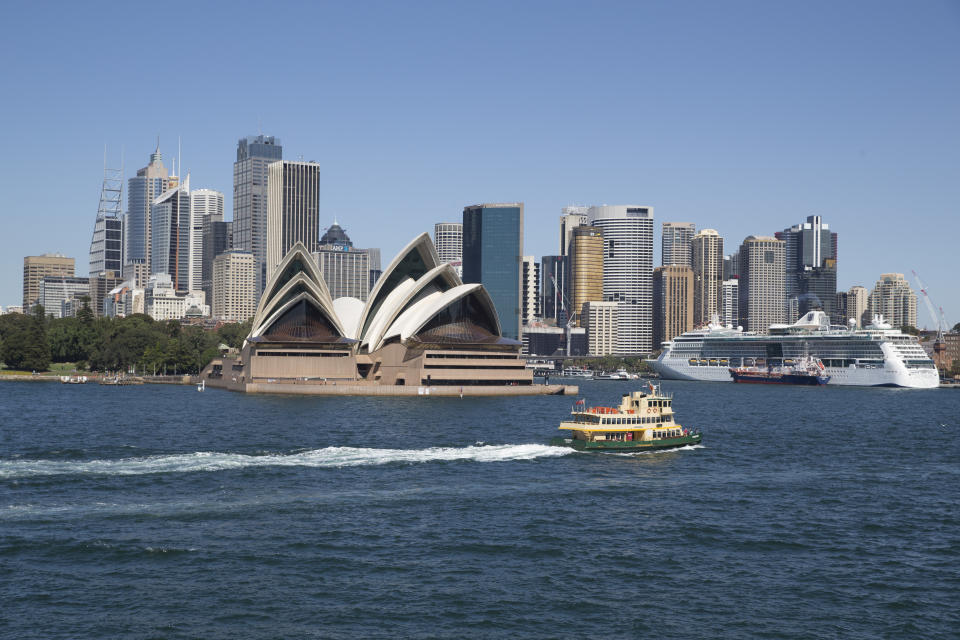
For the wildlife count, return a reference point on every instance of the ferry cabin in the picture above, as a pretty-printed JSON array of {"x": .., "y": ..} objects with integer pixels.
[{"x": 640, "y": 418}]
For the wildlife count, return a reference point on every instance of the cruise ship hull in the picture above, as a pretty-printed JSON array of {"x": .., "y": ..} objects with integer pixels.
[
  {"x": 877, "y": 356},
  {"x": 676, "y": 369}
]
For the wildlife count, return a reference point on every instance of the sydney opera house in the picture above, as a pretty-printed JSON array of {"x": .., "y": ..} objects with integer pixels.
[{"x": 421, "y": 330}]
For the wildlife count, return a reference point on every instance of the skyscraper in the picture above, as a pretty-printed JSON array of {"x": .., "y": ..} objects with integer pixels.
[
  {"x": 555, "y": 285},
  {"x": 675, "y": 242},
  {"x": 492, "y": 255},
  {"x": 293, "y": 210},
  {"x": 206, "y": 206},
  {"x": 106, "y": 246},
  {"x": 761, "y": 283},
  {"x": 707, "y": 250},
  {"x": 530, "y": 295},
  {"x": 150, "y": 181},
  {"x": 250, "y": 178},
  {"x": 810, "y": 259},
  {"x": 234, "y": 276},
  {"x": 893, "y": 298},
  {"x": 448, "y": 238},
  {"x": 171, "y": 231},
  {"x": 570, "y": 219},
  {"x": 217, "y": 238},
  {"x": 586, "y": 269},
  {"x": 730, "y": 302},
  {"x": 35, "y": 268},
  {"x": 628, "y": 272},
  {"x": 672, "y": 302},
  {"x": 345, "y": 269}
]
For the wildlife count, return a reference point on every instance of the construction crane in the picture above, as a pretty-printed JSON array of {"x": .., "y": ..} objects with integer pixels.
[
  {"x": 939, "y": 320},
  {"x": 562, "y": 298}
]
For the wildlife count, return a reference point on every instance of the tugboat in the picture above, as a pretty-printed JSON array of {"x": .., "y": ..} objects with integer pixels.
[
  {"x": 643, "y": 422},
  {"x": 808, "y": 371}
]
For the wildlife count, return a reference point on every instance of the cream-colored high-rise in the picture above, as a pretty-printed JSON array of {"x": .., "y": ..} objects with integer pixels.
[{"x": 707, "y": 250}]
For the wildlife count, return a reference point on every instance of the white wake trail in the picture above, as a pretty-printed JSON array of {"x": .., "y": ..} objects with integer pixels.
[{"x": 328, "y": 457}]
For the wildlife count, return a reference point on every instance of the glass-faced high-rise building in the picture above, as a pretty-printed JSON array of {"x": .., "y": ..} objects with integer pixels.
[
  {"x": 810, "y": 251},
  {"x": 150, "y": 181},
  {"x": 493, "y": 256},
  {"x": 254, "y": 154},
  {"x": 171, "y": 229},
  {"x": 675, "y": 243}
]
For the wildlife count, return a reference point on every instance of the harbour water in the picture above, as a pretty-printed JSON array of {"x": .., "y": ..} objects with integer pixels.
[{"x": 160, "y": 512}]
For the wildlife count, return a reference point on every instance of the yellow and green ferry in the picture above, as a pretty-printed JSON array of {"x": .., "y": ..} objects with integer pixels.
[{"x": 643, "y": 422}]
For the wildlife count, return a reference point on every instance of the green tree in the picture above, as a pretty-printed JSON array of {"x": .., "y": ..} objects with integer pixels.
[
  {"x": 25, "y": 341},
  {"x": 911, "y": 330},
  {"x": 956, "y": 328}
]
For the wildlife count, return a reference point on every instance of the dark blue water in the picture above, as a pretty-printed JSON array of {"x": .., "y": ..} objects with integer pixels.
[{"x": 160, "y": 512}]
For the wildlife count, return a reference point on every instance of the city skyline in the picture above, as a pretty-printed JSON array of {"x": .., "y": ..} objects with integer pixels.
[{"x": 806, "y": 132}]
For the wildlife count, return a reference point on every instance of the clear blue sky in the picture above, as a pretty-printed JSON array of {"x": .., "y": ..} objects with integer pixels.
[{"x": 742, "y": 116}]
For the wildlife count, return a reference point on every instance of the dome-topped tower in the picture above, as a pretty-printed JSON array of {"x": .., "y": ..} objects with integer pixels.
[{"x": 337, "y": 236}]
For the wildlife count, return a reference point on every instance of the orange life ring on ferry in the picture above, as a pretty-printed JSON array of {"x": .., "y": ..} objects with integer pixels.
[{"x": 649, "y": 409}]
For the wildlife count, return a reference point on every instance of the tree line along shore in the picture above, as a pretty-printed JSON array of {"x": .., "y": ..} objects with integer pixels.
[{"x": 37, "y": 343}]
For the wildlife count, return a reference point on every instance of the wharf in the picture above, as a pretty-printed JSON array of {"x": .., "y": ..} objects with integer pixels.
[{"x": 345, "y": 388}]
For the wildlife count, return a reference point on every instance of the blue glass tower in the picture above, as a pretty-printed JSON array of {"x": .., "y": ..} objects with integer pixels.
[
  {"x": 149, "y": 183},
  {"x": 493, "y": 256}
]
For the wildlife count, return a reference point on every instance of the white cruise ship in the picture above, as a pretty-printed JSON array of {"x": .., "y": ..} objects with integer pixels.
[{"x": 878, "y": 355}]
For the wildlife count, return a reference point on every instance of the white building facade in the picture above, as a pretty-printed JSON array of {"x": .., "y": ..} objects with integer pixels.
[
  {"x": 205, "y": 205},
  {"x": 601, "y": 325},
  {"x": 628, "y": 272},
  {"x": 234, "y": 286}
]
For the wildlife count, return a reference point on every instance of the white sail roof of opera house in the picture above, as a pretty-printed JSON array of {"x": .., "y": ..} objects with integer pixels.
[
  {"x": 296, "y": 279},
  {"x": 416, "y": 293},
  {"x": 408, "y": 292},
  {"x": 414, "y": 261},
  {"x": 417, "y": 316}
]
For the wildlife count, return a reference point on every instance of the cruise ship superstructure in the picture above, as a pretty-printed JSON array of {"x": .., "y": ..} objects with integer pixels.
[{"x": 877, "y": 355}]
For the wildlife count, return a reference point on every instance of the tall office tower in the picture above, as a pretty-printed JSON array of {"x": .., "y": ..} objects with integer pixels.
[
  {"x": 234, "y": 286},
  {"x": 673, "y": 287},
  {"x": 149, "y": 183},
  {"x": 555, "y": 285},
  {"x": 731, "y": 266},
  {"x": 570, "y": 219},
  {"x": 205, "y": 205},
  {"x": 35, "y": 268},
  {"x": 761, "y": 286},
  {"x": 217, "y": 238},
  {"x": 102, "y": 284},
  {"x": 893, "y": 298},
  {"x": 106, "y": 246},
  {"x": 707, "y": 250},
  {"x": 57, "y": 290},
  {"x": 492, "y": 253},
  {"x": 858, "y": 300},
  {"x": 600, "y": 320},
  {"x": 675, "y": 242},
  {"x": 345, "y": 270},
  {"x": 810, "y": 251},
  {"x": 171, "y": 229},
  {"x": 628, "y": 272},
  {"x": 530, "y": 296},
  {"x": 293, "y": 210},
  {"x": 137, "y": 273},
  {"x": 448, "y": 239},
  {"x": 375, "y": 267},
  {"x": 730, "y": 302},
  {"x": 586, "y": 269},
  {"x": 250, "y": 178}
]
